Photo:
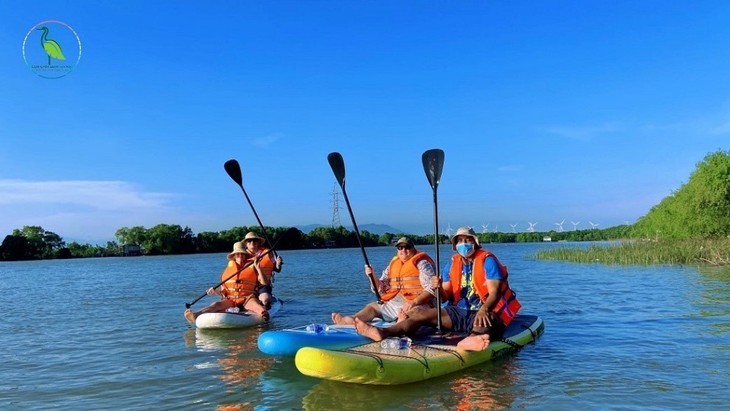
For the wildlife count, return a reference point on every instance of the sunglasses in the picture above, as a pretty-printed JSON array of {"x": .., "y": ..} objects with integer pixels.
[{"x": 403, "y": 247}]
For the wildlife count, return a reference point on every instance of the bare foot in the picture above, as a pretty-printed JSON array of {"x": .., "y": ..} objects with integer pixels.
[
  {"x": 340, "y": 319},
  {"x": 367, "y": 330},
  {"x": 474, "y": 343},
  {"x": 189, "y": 316}
]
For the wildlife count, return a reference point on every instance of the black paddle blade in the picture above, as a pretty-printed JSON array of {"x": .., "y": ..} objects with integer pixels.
[
  {"x": 234, "y": 171},
  {"x": 338, "y": 167},
  {"x": 433, "y": 164}
]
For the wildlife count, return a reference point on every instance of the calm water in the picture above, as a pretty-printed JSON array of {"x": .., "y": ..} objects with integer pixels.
[{"x": 97, "y": 334}]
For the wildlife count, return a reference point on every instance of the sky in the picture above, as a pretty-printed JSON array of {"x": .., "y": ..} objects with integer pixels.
[{"x": 574, "y": 111}]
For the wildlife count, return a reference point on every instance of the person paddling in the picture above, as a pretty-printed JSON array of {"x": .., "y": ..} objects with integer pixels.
[
  {"x": 404, "y": 285},
  {"x": 239, "y": 291}
]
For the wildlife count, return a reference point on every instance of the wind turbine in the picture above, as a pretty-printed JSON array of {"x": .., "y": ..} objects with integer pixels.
[
  {"x": 593, "y": 226},
  {"x": 514, "y": 229},
  {"x": 485, "y": 228},
  {"x": 560, "y": 226},
  {"x": 531, "y": 228},
  {"x": 575, "y": 225},
  {"x": 449, "y": 230}
]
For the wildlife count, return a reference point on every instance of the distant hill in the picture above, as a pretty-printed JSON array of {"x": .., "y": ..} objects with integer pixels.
[{"x": 371, "y": 228}]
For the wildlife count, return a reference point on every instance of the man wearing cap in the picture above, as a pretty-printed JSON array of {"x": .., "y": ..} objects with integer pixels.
[
  {"x": 405, "y": 286},
  {"x": 481, "y": 303}
]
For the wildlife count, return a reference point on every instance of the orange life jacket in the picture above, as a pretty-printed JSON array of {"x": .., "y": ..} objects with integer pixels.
[
  {"x": 405, "y": 277},
  {"x": 267, "y": 263},
  {"x": 241, "y": 285},
  {"x": 507, "y": 305}
]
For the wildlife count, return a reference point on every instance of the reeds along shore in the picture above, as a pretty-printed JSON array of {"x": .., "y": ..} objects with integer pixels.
[{"x": 713, "y": 252}]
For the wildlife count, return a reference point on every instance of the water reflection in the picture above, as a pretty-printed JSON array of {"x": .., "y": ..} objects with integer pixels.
[
  {"x": 487, "y": 386},
  {"x": 239, "y": 362}
]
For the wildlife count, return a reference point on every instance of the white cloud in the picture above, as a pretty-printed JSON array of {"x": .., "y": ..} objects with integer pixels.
[
  {"x": 266, "y": 140},
  {"x": 100, "y": 195},
  {"x": 79, "y": 209},
  {"x": 581, "y": 133}
]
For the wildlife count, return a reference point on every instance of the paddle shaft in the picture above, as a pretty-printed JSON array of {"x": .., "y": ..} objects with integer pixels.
[
  {"x": 338, "y": 168},
  {"x": 234, "y": 171},
  {"x": 438, "y": 264}
]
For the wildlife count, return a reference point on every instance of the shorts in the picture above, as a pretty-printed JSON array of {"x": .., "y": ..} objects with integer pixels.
[
  {"x": 389, "y": 310},
  {"x": 463, "y": 321},
  {"x": 242, "y": 305},
  {"x": 265, "y": 289}
]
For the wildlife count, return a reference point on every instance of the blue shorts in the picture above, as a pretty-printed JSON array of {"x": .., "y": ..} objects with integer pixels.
[{"x": 462, "y": 321}]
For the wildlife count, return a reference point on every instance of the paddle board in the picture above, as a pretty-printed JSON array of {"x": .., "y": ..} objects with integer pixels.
[
  {"x": 235, "y": 320},
  {"x": 372, "y": 363},
  {"x": 333, "y": 337}
]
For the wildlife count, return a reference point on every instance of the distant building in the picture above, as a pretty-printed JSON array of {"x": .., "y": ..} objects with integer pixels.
[
  {"x": 547, "y": 239},
  {"x": 130, "y": 250}
]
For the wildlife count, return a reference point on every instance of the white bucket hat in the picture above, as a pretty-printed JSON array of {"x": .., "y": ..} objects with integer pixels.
[{"x": 465, "y": 231}]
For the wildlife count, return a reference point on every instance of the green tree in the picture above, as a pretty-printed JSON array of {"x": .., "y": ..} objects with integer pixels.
[
  {"x": 15, "y": 248},
  {"x": 164, "y": 239},
  {"x": 133, "y": 235},
  {"x": 700, "y": 208}
]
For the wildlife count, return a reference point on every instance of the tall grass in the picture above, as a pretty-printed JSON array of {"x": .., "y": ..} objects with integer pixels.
[{"x": 684, "y": 252}]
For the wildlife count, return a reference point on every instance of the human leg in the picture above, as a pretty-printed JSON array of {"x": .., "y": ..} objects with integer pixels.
[
  {"x": 216, "y": 307},
  {"x": 265, "y": 293},
  {"x": 254, "y": 305},
  {"x": 480, "y": 337},
  {"x": 366, "y": 314},
  {"x": 405, "y": 327}
]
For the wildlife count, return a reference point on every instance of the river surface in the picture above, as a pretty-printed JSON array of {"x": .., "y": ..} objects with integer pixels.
[{"x": 108, "y": 334}]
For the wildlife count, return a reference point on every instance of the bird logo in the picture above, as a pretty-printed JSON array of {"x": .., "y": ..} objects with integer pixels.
[
  {"x": 51, "y": 47},
  {"x": 60, "y": 50}
]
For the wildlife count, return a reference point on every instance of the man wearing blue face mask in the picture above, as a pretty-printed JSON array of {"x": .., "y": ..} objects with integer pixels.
[
  {"x": 481, "y": 303},
  {"x": 475, "y": 283}
]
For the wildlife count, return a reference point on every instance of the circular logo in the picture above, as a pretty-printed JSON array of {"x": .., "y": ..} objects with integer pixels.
[{"x": 52, "y": 49}]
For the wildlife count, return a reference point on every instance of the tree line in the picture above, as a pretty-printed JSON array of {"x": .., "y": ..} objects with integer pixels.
[{"x": 33, "y": 242}]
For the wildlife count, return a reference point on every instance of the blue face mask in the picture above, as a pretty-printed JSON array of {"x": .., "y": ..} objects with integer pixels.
[{"x": 464, "y": 249}]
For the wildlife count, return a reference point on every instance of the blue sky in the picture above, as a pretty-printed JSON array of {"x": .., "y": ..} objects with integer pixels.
[{"x": 546, "y": 111}]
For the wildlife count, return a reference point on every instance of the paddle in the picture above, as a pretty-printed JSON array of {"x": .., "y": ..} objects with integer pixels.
[
  {"x": 433, "y": 164},
  {"x": 270, "y": 250},
  {"x": 234, "y": 171},
  {"x": 338, "y": 167}
]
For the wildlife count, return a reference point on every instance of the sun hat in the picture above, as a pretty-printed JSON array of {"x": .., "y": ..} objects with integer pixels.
[
  {"x": 404, "y": 241},
  {"x": 465, "y": 231},
  {"x": 238, "y": 248},
  {"x": 252, "y": 236}
]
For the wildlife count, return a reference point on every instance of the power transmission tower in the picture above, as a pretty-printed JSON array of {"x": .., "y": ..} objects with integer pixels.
[{"x": 335, "y": 207}]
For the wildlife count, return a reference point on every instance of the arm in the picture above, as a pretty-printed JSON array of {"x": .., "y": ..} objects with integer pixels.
[
  {"x": 383, "y": 283},
  {"x": 278, "y": 262},
  {"x": 492, "y": 277},
  {"x": 261, "y": 278}
]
